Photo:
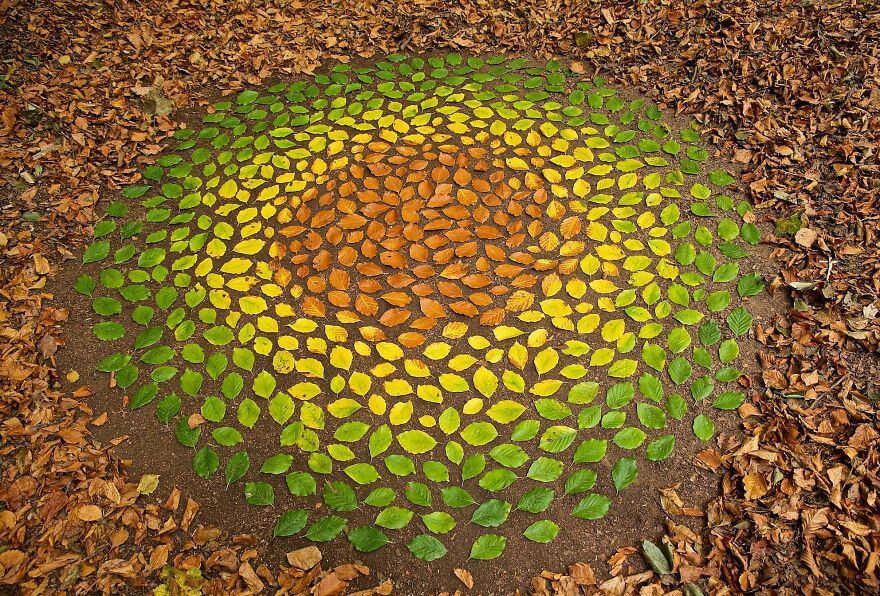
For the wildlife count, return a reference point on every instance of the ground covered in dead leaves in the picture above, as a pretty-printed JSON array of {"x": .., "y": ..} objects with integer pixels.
[{"x": 789, "y": 90}]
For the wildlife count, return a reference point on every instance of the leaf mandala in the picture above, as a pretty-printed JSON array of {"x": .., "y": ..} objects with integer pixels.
[{"x": 421, "y": 283}]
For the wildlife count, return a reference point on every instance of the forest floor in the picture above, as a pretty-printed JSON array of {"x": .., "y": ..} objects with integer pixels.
[{"x": 788, "y": 90}]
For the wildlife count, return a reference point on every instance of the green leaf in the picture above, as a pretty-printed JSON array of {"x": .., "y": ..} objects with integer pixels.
[
  {"x": 157, "y": 355},
  {"x": 552, "y": 409},
  {"x": 679, "y": 370},
  {"x": 557, "y": 439},
  {"x": 366, "y": 539},
  {"x": 624, "y": 472},
  {"x": 721, "y": 178},
  {"x": 226, "y": 436},
  {"x": 380, "y": 497},
  {"x": 325, "y": 528},
  {"x": 651, "y": 416},
  {"x": 281, "y": 408},
  {"x": 426, "y": 548},
  {"x": 277, "y": 464},
  {"x": 351, "y": 431},
  {"x": 259, "y": 493},
  {"x": 168, "y": 408},
  {"x": 709, "y": 333},
  {"x": 593, "y": 506},
  {"x": 479, "y": 433},
  {"x": 629, "y": 438},
  {"x": 729, "y": 400},
  {"x": 649, "y": 386},
  {"x": 660, "y": 448},
  {"x": 439, "y": 522},
  {"x": 96, "y": 251},
  {"x": 248, "y": 412},
  {"x": 497, "y": 480},
  {"x": 362, "y": 473},
  {"x": 148, "y": 337},
  {"x": 399, "y": 465},
  {"x": 394, "y": 518},
  {"x": 728, "y": 351},
  {"x": 704, "y": 428},
  {"x": 727, "y": 374},
  {"x": 718, "y": 301},
  {"x": 739, "y": 320},
  {"x": 654, "y": 356},
  {"x": 543, "y": 531},
  {"x": 300, "y": 484},
  {"x": 579, "y": 482},
  {"x": 186, "y": 436},
  {"x": 191, "y": 382},
  {"x": 545, "y": 469},
  {"x": 416, "y": 441},
  {"x": 206, "y": 462},
  {"x": 725, "y": 273},
  {"x": 418, "y": 493},
  {"x": 108, "y": 330},
  {"x": 290, "y": 522},
  {"x": 339, "y": 496},
  {"x": 678, "y": 340},
  {"x": 488, "y": 546},
  {"x": 456, "y": 497},
  {"x": 380, "y": 440},
  {"x": 144, "y": 395},
  {"x": 509, "y": 455},
  {"x": 655, "y": 558},
  {"x": 216, "y": 364},
  {"x": 750, "y": 233},
  {"x": 525, "y": 430},
  {"x": 750, "y": 285},
  {"x": 85, "y": 284},
  {"x": 106, "y": 307},
  {"x": 536, "y": 500},
  {"x": 702, "y": 388},
  {"x": 264, "y": 384},
  {"x": 590, "y": 451},
  {"x": 491, "y": 514}
]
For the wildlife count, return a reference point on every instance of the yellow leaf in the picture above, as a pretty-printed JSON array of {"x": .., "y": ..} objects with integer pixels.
[
  {"x": 400, "y": 413},
  {"x": 485, "y": 381},
  {"x": 603, "y": 286},
  {"x": 416, "y": 368},
  {"x": 518, "y": 355},
  {"x": 555, "y": 307},
  {"x": 283, "y": 361},
  {"x": 377, "y": 404},
  {"x": 613, "y": 330},
  {"x": 148, "y": 483},
  {"x": 461, "y": 362},
  {"x": 397, "y": 387},
  {"x": 430, "y": 393},
  {"x": 546, "y": 360},
  {"x": 252, "y": 305},
  {"x": 310, "y": 367},
  {"x": 472, "y": 406},
  {"x": 341, "y": 357},
  {"x": 601, "y": 357},
  {"x": 437, "y": 350}
]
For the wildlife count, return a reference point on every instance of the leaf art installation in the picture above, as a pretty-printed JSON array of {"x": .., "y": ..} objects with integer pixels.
[{"x": 426, "y": 281}]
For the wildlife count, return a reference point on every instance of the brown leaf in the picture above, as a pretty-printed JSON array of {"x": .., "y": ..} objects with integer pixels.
[
  {"x": 304, "y": 558},
  {"x": 465, "y": 576}
]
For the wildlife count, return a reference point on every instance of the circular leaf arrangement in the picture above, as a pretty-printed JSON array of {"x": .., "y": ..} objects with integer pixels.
[{"x": 425, "y": 282}]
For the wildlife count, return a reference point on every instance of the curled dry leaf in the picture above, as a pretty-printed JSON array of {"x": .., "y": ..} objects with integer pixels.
[{"x": 465, "y": 576}]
